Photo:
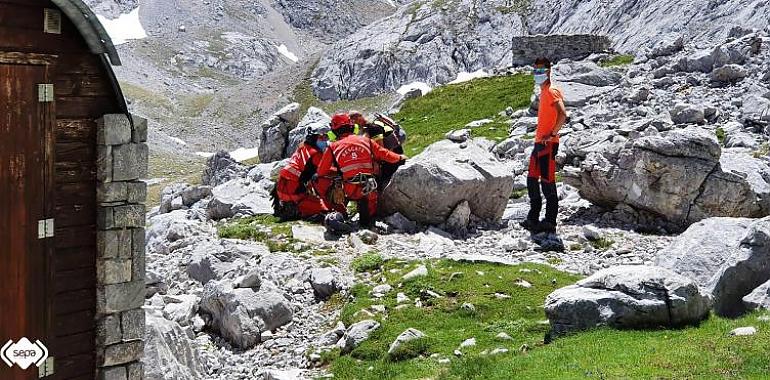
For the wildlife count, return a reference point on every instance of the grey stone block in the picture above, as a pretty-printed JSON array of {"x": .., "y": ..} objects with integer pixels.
[
  {"x": 108, "y": 192},
  {"x": 112, "y": 244},
  {"x": 138, "y": 238},
  {"x": 140, "y": 129},
  {"x": 129, "y": 162},
  {"x": 137, "y": 192},
  {"x": 108, "y": 330},
  {"x": 132, "y": 322},
  {"x": 128, "y": 216},
  {"x": 121, "y": 353},
  {"x": 112, "y": 373},
  {"x": 113, "y": 129},
  {"x": 104, "y": 218},
  {"x": 135, "y": 371},
  {"x": 104, "y": 163},
  {"x": 138, "y": 272},
  {"x": 112, "y": 271},
  {"x": 119, "y": 297}
]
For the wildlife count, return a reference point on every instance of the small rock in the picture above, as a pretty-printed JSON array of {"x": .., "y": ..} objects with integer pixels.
[
  {"x": 407, "y": 336},
  {"x": 468, "y": 307},
  {"x": 503, "y": 336},
  {"x": 378, "y": 308},
  {"x": 249, "y": 280},
  {"x": 368, "y": 237},
  {"x": 380, "y": 291},
  {"x": 402, "y": 298},
  {"x": 266, "y": 335},
  {"x": 744, "y": 331},
  {"x": 468, "y": 343},
  {"x": 356, "y": 334},
  {"x": 497, "y": 351},
  {"x": 458, "y": 136},
  {"x": 421, "y": 271},
  {"x": 522, "y": 283},
  {"x": 501, "y": 296},
  {"x": 592, "y": 233},
  {"x": 444, "y": 361},
  {"x": 458, "y": 353}
]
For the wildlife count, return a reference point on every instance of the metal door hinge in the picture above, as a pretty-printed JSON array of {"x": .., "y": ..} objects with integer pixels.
[
  {"x": 46, "y": 369},
  {"x": 45, "y": 228},
  {"x": 45, "y": 92}
]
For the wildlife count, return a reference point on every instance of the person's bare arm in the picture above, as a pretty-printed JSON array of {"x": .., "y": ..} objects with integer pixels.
[{"x": 561, "y": 118}]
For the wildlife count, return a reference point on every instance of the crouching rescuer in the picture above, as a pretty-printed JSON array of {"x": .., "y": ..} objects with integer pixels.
[
  {"x": 551, "y": 117},
  {"x": 347, "y": 171},
  {"x": 295, "y": 195}
]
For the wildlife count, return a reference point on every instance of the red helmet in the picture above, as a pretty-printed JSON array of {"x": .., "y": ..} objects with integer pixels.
[{"x": 341, "y": 120}]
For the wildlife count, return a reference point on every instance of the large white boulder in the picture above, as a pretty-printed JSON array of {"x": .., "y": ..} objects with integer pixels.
[
  {"x": 168, "y": 351},
  {"x": 627, "y": 297},
  {"x": 429, "y": 187},
  {"x": 241, "y": 315},
  {"x": 275, "y": 132},
  {"x": 239, "y": 197},
  {"x": 728, "y": 257}
]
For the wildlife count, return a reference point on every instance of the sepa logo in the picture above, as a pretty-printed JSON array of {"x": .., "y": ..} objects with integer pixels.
[{"x": 24, "y": 353}]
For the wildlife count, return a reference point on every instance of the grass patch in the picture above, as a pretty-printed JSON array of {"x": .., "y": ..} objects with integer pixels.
[
  {"x": 705, "y": 351},
  {"x": 368, "y": 262},
  {"x": 265, "y": 229},
  {"x": 427, "y": 119},
  {"x": 143, "y": 95},
  {"x": 172, "y": 169},
  {"x": 518, "y": 194},
  {"x": 602, "y": 244},
  {"x": 194, "y": 105},
  {"x": 720, "y": 135},
  {"x": 443, "y": 320},
  {"x": 618, "y": 61},
  {"x": 763, "y": 151}
]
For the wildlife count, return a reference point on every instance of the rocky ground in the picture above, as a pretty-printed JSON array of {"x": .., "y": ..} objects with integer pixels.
[{"x": 673, "y": 140}]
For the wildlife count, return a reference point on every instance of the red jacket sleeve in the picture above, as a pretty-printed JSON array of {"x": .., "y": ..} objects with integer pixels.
[
  {"x": 382, "y": 154},
  {"x": 326, "y": 167}
]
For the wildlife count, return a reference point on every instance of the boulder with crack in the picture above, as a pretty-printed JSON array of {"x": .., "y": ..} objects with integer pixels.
[
  {"x": 169, "y": 352},
  {"x": 241, "y": 315},
  {"x": 729, "y": 257},
  {"x": 275, "y": 132},
  {"x": 627, "y": 297},
  {"x": 239, "y": 197},
  {"x": 677, "y": 175},
  {"x": 220, "y": 168},
  {"x": 430, "y": 186}
]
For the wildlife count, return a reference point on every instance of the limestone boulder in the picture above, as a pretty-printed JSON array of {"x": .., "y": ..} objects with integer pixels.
[
  {"x": 241, "y": 315},
  {"x": 239, "y": 197},
  {"x": 678, "y": 175},
  {"x": 315, "y": 117},
  {"x": 728, "y": 257},
  {"x": 356, "y": 334},
  {"x": 220, "y": 168},
  {"x": 169, "y": 352},
  {"x": 275, "y": 132},
  {"x": 430, "y": 186},
  {"x": 627, "y": 297},
  {"x": 759, "y": 298}
]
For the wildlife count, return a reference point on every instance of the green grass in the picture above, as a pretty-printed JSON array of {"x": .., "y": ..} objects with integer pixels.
[
  {"x": 265, "y": 229},
  {"x": 518, "y": 194},
  {"x": 618, "y": 61},
  {"x": 427, "y": 119},
  {"x": 368, "y": 262},
  {"x": 763, "y": 151},
  {"x": 702, "y": 352},
  {"x": 443, "y": 320},
  {"x": 174, "y": 169},
  {"x": 602, "y": 244},
  {"x": 720, "y": 135}
]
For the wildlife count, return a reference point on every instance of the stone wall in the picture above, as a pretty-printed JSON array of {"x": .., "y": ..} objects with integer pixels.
[
  {"x": 557, "y": 47},
  {"x": 122, "y": 161}
]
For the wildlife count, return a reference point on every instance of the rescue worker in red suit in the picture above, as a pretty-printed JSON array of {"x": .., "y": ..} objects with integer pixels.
[
  {"x": 352, "y": 159},
  {"x": 296, "y": 195}
]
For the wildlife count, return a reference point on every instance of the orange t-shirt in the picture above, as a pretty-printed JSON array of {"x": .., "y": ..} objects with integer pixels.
[{"x": 547, "y": 113}]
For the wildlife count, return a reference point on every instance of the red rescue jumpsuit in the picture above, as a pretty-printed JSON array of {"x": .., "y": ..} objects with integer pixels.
[
  {"x": 350, "y": 156},
  {"x": 292, "y": 178}
]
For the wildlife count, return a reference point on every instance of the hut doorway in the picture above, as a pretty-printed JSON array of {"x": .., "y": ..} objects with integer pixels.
[{"x": 25, "y": 171}]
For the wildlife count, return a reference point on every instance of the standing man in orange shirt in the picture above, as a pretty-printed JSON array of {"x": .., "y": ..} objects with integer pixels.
[{"x": 551, "y": 117}]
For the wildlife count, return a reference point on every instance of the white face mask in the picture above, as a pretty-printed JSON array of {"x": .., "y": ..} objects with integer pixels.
[{"x": 540, "y": 79}]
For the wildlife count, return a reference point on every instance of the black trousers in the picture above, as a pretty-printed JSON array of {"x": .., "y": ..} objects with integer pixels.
[{"x": 542, "y": 175}]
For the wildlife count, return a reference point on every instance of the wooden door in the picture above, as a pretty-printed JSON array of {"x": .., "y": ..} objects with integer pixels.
[{"x": 25, "y": 165}]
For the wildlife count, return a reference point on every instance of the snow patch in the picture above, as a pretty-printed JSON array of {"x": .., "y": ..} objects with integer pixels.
[
  {"x": 204, "y": 154},
  {"x": 124, "y": 28},
  {"x": 177, "y": 140},
  {"x": 286, "y": 53},
  {"x": 422, "y": 86},
  {"x": 466, "y": 76},
  {"x": 243, "y": 154}
]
